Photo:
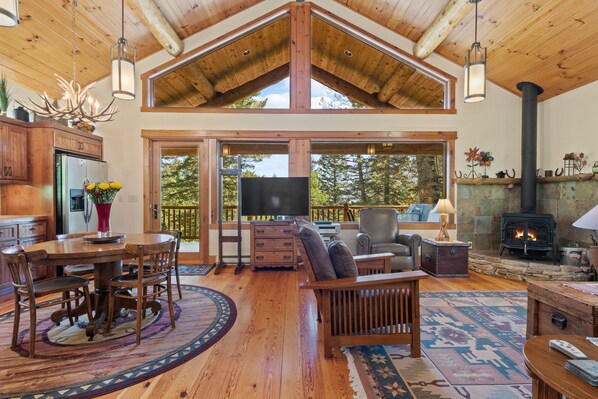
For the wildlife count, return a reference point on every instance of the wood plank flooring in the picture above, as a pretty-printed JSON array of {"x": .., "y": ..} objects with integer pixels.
[{"x": 274, "y": 349}]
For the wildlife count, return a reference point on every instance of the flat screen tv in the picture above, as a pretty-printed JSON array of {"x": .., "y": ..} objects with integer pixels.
[{"x": 274, "y": 196}]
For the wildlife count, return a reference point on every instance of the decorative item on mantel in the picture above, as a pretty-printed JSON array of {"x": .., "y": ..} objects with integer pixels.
[
  {"x": 595, "y": 168},
  {"x": 472, "y": 157},
  {"x": 573, "y": 163},
  {"x": 102, "y": 195},
  {"x": 485, "y": 159}
]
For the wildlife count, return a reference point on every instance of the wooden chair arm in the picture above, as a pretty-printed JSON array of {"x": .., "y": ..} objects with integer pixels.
[
  {"x": 362, "y": 282},
  {"x": 371, "y": 257}
]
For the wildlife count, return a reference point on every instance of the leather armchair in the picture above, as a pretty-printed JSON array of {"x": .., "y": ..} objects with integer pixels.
[{"x": 379, "y": 233}]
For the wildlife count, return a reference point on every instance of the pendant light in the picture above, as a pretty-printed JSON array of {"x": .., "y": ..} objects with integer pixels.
[
  {"x": 475, "y": 68},
  {"x": 9, "y": 13},
  {"x": 123, "y": 66}
]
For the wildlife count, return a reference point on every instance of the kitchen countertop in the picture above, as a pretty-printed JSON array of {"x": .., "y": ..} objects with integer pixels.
[{"x": 21, "y": 218}]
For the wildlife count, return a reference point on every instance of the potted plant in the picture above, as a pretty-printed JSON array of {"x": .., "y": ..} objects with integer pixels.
[{"x": 5, "y": 94}]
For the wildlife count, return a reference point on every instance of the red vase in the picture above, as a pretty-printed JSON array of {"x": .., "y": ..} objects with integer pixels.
[{"x": 103, "y": 217}]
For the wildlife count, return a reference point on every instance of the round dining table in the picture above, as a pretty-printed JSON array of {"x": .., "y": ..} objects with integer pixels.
[{"x": 107, "y": 258}]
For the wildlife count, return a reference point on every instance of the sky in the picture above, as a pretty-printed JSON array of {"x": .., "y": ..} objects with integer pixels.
[{"x": 278, "y": 95}]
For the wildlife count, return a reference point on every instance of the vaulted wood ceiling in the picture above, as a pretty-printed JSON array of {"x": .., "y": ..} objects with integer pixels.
[{"x": 550, "y": 42}]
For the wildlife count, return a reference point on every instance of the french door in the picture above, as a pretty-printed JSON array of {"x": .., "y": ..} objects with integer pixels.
[{"x": 178, "y": 195}]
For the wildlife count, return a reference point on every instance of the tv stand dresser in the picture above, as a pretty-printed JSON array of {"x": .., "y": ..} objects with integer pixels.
[{"x": 272, "y": 245}]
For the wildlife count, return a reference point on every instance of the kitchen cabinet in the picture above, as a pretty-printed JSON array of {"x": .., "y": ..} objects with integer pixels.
[{"x": 13, "y": 150}]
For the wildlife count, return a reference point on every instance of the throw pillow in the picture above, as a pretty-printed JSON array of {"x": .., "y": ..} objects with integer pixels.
[
  {"x": 342, "y": 259},
  {"x": 316, "y": 251}
]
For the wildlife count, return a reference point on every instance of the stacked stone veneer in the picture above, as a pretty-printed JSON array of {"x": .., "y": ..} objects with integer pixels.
[
  {"x": 522, "y": 270},
  {"x": 480, "y": 206}
]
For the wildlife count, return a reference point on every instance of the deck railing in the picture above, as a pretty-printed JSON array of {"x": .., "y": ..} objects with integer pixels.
[
  {"x": 323, "y": 213},
  {"x": 182, "y": 218}
]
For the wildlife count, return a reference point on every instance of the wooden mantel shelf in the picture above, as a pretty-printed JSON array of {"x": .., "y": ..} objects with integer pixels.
[
  {"x": 491, "y": 180},
  {"x": 508, "y": 181}
]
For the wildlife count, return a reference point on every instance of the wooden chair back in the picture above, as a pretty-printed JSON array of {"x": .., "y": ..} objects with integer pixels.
[
  {"x": 153, "y": 259},
  {"x": 18, "y": 267}
]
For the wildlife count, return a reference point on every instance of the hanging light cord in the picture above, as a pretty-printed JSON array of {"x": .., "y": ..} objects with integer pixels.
[
  {"x": 74, "y": 41},
  {"x": 123, "y": 19},
  {"x": 476, "y": 22}
]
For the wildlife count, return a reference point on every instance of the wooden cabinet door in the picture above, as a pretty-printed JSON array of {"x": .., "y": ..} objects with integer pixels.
[
  {"x": 13, "y": 146},
  {"x": 72, "y": 142}
]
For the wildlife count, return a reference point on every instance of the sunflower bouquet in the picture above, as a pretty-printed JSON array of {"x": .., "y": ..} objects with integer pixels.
[{"x": 102, "y": 192}]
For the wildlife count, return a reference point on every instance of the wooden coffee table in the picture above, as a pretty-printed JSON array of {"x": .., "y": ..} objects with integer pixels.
[{"x": 546, "y": 366}]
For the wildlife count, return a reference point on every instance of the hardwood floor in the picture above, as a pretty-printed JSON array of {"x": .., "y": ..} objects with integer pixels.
[{"x": 274, "y": 349}]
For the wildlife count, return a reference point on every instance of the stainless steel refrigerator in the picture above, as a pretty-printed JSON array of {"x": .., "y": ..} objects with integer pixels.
[{"x": 74, "y": 212}]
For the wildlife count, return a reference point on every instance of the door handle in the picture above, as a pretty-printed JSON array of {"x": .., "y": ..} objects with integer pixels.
[
  {"x": 10, "y": 170},
  {"x": 155, "y": 211}
]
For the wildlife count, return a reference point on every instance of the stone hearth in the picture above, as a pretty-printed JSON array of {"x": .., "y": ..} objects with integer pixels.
[{"x": 512, "y": 268}]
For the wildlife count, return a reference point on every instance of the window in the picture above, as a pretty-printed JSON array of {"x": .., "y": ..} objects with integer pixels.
[
  {"x": 348, "y": 176},
  {"x": 257, "y": 160}
]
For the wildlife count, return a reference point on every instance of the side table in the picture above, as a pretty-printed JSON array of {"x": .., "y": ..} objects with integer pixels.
[
  {"x": 445, "y": 258},
  {"x": 546, "y": 366}
]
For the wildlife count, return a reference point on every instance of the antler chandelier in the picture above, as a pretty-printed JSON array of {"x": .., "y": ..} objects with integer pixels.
[{"x": 77, "y": 104}]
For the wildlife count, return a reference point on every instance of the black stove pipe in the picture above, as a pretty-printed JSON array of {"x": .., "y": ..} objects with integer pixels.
[{"x": 529, "y": 144}]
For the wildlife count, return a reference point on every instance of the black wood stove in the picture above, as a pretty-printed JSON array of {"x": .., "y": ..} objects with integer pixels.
[{"x": 528, "y": 232}]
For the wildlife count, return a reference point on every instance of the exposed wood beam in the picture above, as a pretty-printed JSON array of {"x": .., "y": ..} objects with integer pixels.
[
  {"x": 153, "y": 19},
  {"x": 198, "y": 79},
  {"x": 346, "y": 88},
  {"x": 249, "y": 88},
  {"x": 395, "y": 82},
  {"x": 444, "y": 23}
]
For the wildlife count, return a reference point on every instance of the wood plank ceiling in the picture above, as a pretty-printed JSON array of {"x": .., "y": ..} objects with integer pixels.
[
  {"x": 552, "y": 43},
  {"x": 40, "y": 46},
  {"x": 549, "y": 42}
]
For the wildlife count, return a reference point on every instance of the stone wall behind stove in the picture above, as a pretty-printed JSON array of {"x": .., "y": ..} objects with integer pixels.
[{"x": 481, "y": 202}]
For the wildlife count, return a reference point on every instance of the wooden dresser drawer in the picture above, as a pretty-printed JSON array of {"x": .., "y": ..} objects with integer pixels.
[
  {"x": 34, "y": 229},
  {"x": 273, "y": 231},
  {"x": 275, "y": 258},
  {"x": 283, "y": 244},
  {"x": 8, "y": 232}
]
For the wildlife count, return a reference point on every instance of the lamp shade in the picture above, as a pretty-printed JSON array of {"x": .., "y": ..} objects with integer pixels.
[
  {"x": 475, "y": 74},
  {"x": 589, "y": 220},
  {"x": 444, "y": 206},
  {"x": 123, "y": 70},
  {"x": 9, "y": 13}
]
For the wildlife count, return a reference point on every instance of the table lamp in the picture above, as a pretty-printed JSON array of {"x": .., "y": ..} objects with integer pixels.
[
  {"x": 590, "y": 221},
  {"x": 444, "y": 207}
]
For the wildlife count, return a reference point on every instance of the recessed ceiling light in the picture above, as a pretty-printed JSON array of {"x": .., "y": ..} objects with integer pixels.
[
  {"x": 348, "y": 53},
  {"x": 246, "y": 52}
]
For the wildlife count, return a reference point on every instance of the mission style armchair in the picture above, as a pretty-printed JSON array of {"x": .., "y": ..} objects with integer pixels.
[
  {"x": 379, "y": 233},
  {"x": 359, "y": 301}
]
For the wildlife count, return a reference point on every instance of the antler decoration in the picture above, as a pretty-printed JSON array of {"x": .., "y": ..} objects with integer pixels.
[{"x": 77, "y": 106}]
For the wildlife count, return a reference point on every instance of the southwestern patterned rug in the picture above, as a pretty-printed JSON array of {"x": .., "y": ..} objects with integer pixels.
[
  {"x": 471, "y": 348},
  {"x": 66, "y": 365}
]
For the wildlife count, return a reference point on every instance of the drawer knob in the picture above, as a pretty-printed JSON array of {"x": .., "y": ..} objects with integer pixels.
[
  {"x": 287, "y": 257},
  {"x": 288, "y": 244},
  {"x": 259, "y": 245},
  {"x": 32, "y": 229},
  {"x": 559, "y": 320},
  {"x": 259, "y": 231},
  {"x": 287, "y": 231},
  {"x": 427, "y": 257},
  {"x": 453, "y": 251},
  {"x": 259, "y": 257}
]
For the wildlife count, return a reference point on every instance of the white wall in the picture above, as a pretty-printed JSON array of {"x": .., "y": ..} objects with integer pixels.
[{"x": 568, "y": 123}]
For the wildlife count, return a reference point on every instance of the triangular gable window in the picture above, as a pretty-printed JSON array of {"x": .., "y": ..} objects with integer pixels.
[{"x": 263, "y": 66}]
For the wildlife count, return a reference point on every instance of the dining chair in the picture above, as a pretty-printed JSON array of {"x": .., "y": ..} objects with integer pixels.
[
  {"x": 154, "y": 269},
  {"x": 177, "y": 237},
  {"x": 80, "y": 269},
  {"x": 27, "y": 291}
]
